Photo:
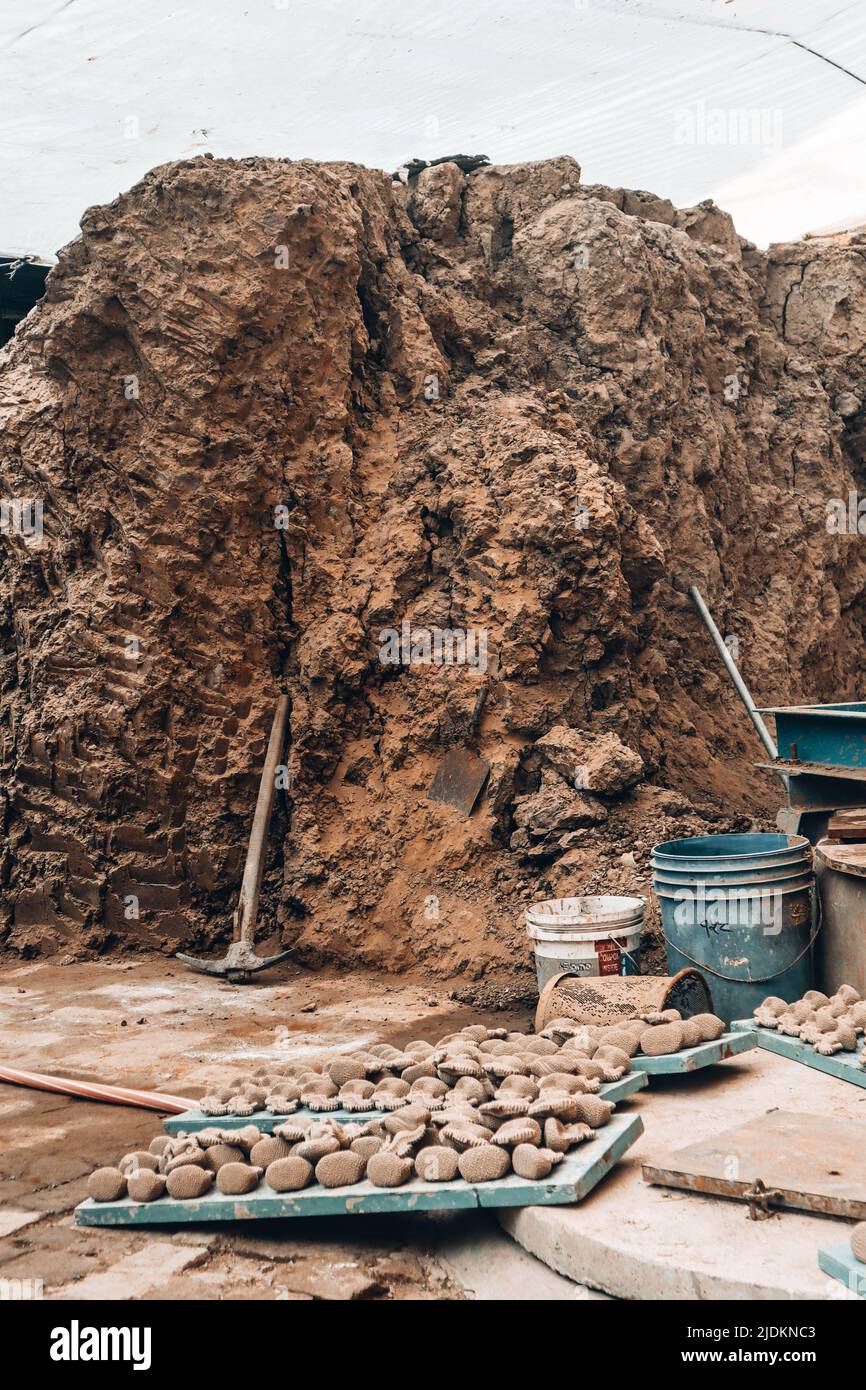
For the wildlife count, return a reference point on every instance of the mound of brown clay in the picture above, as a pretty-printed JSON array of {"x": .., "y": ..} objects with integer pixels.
[
  {"x": 340, "y": 1169},
  {"x": 387, "y": 1169},
  {"x": 848, "y": 993},
  {"x": 662, "y": 1040},
  {"x": 268, "y": 1150},
  {"x": 106, "y": 1184},
  {"x": 145, "y": 1185},
  {"x": 436, "y": 1164},
  {"x": 858, "y": 1241},
  {"x": 234, "y": 1179},
  {"x": 289, "y": 1174},
  {"x": 216, "y": 1155},
  {"x": 484, "y": 1163},
  {"x": 158, "y": 1144},
  {"x": 514, "y": 1132},
  {"x": 847, "y": 1035},
  {"x": 189, "y": 1181},
  {"x": 419, "y": 1048}
]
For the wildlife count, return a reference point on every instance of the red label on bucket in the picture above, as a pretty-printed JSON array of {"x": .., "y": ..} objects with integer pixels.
[{"x": 609, "y": 956}]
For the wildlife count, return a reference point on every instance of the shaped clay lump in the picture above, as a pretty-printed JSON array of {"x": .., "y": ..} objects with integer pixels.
[
  {"x": 436, "y": 1164},
  {"x": 387, "y": 1169},
  {"x": 340, "y": 1169},
  {"x": 858, "y": 1241},
  {"x": 106, "y": 1184},
  {"x": 236, "y": 1179},
  {"x": 514, "y": 1132},
  {"x": 216, "y": 1155},
  {"x": 829, "y": 1025},
  {"x": 139, "y": 1159},
  {"x": 289, "y": 1174},
  {"x": 145, "y": 1186},
  {"x": 661, "y": 1040},
  {"x": 189, "y": 1181},
  {"x": 483, "y": 1163},
  {"x": 268, "y": 1150},
  {"x": 534, "y": 1163}
]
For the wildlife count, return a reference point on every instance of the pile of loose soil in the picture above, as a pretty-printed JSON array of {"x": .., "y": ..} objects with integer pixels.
[{"x": 275, "y": 411}]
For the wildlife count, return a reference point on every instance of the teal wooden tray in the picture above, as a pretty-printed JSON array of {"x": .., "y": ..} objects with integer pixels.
[
  {"x": 693, "y": 1058},
  {"x": 843, "y": 1065},
  {"x": 191, "y": 1120},
  {"x": 576, "y": 1176},
  {"x": 840, "y": 1263}
]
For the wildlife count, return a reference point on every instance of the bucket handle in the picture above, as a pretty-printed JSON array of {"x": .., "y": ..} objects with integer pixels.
[{"x": 762, "y": 979}]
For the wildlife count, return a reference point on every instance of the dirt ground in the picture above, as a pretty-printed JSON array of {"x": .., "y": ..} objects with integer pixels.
[{"x": 152, "y": 1024}]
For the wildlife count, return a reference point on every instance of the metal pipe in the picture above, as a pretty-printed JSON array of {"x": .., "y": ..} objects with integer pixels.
[{"x": 739, "y": 684}]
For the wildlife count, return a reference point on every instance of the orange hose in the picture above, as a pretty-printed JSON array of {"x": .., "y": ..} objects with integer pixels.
[{"x": 93, "y": 1090}]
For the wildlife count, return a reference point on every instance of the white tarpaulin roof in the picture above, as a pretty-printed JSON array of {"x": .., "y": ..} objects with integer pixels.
[{"x": 760, "y": 104}]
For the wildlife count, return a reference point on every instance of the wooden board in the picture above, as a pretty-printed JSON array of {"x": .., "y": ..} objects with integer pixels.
[
  {"x": 576, "y": 1176},
  {"x": 815, "y": 1161},
  {"x": 191, "y": 1120},
  {"x": 840, "y": 1262},
  {"x": 843, "y": 1065},
  {"x": 693, "y": 1058}
]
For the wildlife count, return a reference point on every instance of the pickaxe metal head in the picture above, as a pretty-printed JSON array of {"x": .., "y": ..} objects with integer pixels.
[{"x": 238, "y": 964}]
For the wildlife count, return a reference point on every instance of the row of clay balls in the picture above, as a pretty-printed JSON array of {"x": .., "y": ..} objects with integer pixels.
[
  {"x": 654, "y": 1034},
  {"x": 472, "y": 1063},
  {"x": 829, "y": 1023}
]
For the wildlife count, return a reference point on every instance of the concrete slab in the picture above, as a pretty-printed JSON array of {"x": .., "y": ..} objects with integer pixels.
[
  {"x": 136, "y": 1274},
  {"x": 640, "y": 1242},
  {"x": 477, "y": 1255},
  {"x": 12, "y": 1220}
]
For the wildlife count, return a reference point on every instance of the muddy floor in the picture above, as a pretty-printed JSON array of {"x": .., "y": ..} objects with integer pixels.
[{"x": 151, "y": 1023}]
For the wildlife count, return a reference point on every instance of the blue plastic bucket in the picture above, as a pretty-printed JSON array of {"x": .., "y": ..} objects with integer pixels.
[{"x": 739, "y": 908}]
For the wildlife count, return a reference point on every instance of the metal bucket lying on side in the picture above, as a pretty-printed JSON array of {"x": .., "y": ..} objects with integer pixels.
[
  {"x": 586, "y": 936},
  {"x": 739, "y": 907},
  {"x": 611, "y": 1000}
]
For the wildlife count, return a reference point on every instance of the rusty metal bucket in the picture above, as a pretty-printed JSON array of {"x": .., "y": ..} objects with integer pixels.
[{"x": 608, "y": 1000}]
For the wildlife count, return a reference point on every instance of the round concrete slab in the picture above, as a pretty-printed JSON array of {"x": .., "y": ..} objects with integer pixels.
[{"x": 640, "y": 1242}]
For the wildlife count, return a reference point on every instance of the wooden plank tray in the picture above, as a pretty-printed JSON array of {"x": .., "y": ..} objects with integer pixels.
[
  {"x": 789, "y": 1152},
  {"x": 576, "y": 1176},
  {"x": 693, "y": 1058},
  {"x": 843, "y": 1065},
  {"x": 192, "y": 1120},
  {"x": 840, "y": 1262}
]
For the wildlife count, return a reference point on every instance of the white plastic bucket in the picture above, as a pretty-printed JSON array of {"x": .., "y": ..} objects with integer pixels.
[{"x": 590, "y": 936}]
